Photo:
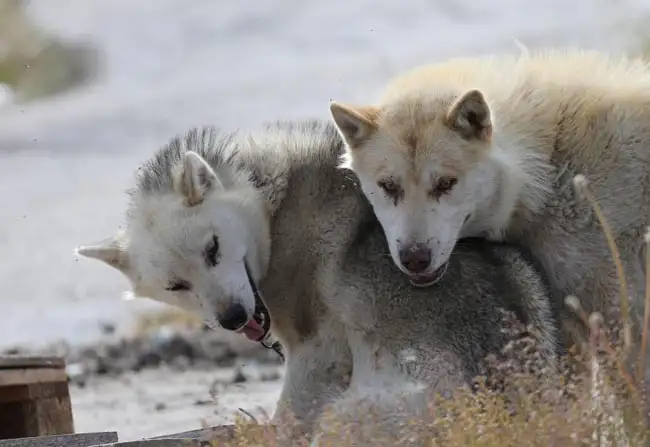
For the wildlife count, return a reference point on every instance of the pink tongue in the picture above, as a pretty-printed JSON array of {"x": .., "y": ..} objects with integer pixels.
[{"x": 253, "y": 330}]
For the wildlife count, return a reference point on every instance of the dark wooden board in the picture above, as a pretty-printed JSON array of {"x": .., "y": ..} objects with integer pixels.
[
  {"x": 33, "y": 391},
  {"x": 226, "y": 432},
  {"x": 172, "y": 442},
  {"x": 218, "y": 435},
  {"x": 23, "y": 376},
  {"x": 75, "y": 440},
  {"x": 22, "y": 362}
]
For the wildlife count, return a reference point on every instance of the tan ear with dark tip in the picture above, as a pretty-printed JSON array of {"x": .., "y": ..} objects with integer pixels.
[
  {"x": 355, "y": 123},
  {"x": 471, "y": 117}
]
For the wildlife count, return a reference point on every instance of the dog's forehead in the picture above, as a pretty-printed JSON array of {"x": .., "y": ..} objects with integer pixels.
[
  {"x": 438, "y": 154},
  {"x": 162, "y": 250},
  {"x": 386, "y": 162},
  {"x": 171, "y": 234},
  {"x": 413, "y": 120},
  {"x": 161, "y": 244},
  {"x": 172, "y": 225}
]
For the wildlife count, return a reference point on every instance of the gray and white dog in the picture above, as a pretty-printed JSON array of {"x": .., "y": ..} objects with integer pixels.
[{"x": 257, "y": 231}]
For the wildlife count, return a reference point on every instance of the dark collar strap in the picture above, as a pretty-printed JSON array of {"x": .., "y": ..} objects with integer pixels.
[{"x": 261, "y": 308}]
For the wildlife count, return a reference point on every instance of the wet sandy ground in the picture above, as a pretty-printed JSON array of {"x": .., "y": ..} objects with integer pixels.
[{"x": 163, "y": 400}]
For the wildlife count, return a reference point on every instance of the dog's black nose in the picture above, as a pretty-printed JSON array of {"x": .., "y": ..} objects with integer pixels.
[
  {"x": 416, "y": 258},
  {"x": 234, "y": 317}
]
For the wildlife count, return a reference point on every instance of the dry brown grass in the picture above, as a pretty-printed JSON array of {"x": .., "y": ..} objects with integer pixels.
[
  {"x": 527, "y": 410},
  {"x": 593, "y": 400}
]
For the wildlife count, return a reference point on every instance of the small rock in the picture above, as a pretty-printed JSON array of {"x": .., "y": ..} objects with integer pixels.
[
  {"x": 212, "y": 347},
  {"x": 200, "y": 402},
  {"x": 181, "y": 363},
  {"x": 239, "y": 377},
  {"x": 107, "y": 328},
  {"x": 178, "y": 346},
  {"x": 148, "y": 359},
  {"x": 269, "y": 376},
  {"x": 103, "y": 367}
]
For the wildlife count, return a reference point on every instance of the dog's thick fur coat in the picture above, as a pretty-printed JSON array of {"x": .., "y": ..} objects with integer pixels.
[
  {"x": 490, "y": 146},
  {"x": 354, "y": 330}
]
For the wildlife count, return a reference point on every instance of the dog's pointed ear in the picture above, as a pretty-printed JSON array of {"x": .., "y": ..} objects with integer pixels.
[
  {"x": 355, "y": 124},
  {"x": 196, "y": 179},
  {"x": 471, "y": 117},
  {"x": 112, "y": 251}
]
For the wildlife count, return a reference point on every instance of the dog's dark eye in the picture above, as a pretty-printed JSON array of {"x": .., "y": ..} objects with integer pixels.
[
  {"x": 443, "y": 186},
  {"x": 212, "y": 252},
  {"x": 178, "y": 286},
  {"x": 391, "y": 188}
]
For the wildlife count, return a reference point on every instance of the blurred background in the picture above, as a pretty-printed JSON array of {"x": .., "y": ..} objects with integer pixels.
[{"x": 90, "y": 88}]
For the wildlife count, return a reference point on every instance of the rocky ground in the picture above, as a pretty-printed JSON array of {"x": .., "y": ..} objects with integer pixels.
[{"x": 168, "y": 380}]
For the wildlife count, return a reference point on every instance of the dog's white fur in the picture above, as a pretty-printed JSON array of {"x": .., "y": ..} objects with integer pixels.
[{"x": 166, "y": 239}]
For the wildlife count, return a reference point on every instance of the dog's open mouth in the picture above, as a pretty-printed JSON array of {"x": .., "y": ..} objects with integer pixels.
[
  {"x": 254, "y": 329},
  {"x": 430, "y": 278}
]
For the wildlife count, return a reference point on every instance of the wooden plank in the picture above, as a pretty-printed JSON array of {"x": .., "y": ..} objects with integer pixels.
[
  {"x": 52, "y": 416},
  {"x": 34, "y": 397},
  {"x": 202, "y": 437},
  {"x": 172, "y": 442},
  {"x": 220, "y": 432},
  {"x": 21, "y": 361},
  {"x": 75, "y": 440},
  {"x": 20, "y": 393},
  {"x": 12, "y": 423},
  {"x": 31, "y": 375}
]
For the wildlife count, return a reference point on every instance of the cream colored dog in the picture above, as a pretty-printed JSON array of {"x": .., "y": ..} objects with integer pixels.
[{"x": 490, "y": 147}]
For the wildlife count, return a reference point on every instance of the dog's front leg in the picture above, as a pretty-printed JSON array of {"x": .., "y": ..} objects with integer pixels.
[{"x": 318, "y": 371}]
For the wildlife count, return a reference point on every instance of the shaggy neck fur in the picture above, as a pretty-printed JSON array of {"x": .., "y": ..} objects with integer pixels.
[
  {"x": 521, "y": 179},
  {"x": 293, "y": 168}
]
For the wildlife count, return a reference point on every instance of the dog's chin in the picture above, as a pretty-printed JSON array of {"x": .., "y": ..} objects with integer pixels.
[{"x": 428, "y": 279}]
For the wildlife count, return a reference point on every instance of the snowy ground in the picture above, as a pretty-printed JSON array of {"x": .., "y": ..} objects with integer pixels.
[{"x": 171, "y": 64}]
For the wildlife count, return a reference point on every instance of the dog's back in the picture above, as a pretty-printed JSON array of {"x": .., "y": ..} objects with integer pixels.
[{"x": 459, "y": 318}]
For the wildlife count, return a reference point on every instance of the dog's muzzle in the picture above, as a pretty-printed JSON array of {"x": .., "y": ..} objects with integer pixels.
[{"x": 430, "y": 279}]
